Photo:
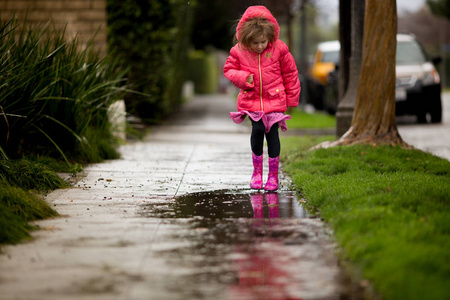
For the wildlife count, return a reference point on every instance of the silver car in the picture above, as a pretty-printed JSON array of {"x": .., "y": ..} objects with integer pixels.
[{"x": 418, "y": 85}]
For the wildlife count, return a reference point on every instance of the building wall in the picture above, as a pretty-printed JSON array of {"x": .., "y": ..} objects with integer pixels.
[{"x": 85, "y": 18}]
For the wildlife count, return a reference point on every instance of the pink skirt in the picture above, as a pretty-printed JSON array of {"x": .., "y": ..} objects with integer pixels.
[{"x": 268, "y": 119}]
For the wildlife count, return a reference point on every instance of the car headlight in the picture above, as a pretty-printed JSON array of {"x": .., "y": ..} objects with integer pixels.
[{"x": 431, "y": 77}]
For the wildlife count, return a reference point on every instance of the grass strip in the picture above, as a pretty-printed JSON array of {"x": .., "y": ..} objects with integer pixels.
[
  {"x": 301, "y": 119},
  {"x": 389, "y": 208}
]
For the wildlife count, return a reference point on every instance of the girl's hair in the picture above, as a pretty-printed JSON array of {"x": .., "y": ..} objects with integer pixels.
[{"x": 254, "y": 28}]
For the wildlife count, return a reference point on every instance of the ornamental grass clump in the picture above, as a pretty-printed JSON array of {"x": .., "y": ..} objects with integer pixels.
[
  {"x": 29, "y": 175},
  {"x": 54, "y": 95},
  {"x": 17, "y": 208}
]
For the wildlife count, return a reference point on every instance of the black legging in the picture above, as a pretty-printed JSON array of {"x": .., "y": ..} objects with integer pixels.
[{"x": 272, "y": 137}]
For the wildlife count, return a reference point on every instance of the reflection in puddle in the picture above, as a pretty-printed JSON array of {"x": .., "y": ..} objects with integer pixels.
[
  {"x": 228, "y": 204},
  {"x": 240, "y": 246}
]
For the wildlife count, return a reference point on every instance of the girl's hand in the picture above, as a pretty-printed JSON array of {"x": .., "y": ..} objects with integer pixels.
[{"x": 250, "y": 79}]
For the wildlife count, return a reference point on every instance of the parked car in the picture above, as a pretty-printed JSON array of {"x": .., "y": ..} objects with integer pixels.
[
  {"x": 418, "y": 84},
  {"x": 325, "y": 60}
]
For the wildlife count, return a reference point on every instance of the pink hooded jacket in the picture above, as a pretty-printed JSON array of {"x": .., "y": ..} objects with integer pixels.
[{"x": 275, "y": 85}]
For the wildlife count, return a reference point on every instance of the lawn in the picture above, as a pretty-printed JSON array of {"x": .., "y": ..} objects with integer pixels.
[
  {"x": 389, "y": 208},
  {"x": 301, "y": 119}
]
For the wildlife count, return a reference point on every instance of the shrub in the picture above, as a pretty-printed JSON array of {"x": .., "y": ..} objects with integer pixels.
[
  {"x": 203, "y": 71},
  {"x": 151, "y": 37}
]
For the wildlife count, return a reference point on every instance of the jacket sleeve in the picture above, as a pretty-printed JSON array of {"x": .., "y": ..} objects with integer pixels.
[
  {"x": 290, "y": 78},
  {"x": 232, "y": 71}
]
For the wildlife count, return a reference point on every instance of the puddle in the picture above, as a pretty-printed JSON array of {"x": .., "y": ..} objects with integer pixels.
[
  {"x": 229, "y": 245},
  {"x": 226, "y": 204}
]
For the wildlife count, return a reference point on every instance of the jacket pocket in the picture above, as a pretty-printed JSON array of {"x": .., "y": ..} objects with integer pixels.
[
  {"x": 277, "y": 96},
  {"x": 246, "y": 98}
]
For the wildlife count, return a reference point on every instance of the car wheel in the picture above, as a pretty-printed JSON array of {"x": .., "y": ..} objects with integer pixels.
[
  {"x": 421, "y": 117},
  {"x": 436, "y": 111}
]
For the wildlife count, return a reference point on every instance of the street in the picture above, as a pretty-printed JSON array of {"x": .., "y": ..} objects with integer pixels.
[{"x": 433, "y": 138}]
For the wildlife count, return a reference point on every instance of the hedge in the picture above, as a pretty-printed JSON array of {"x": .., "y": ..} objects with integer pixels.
[{"x": 151, "y": 38}]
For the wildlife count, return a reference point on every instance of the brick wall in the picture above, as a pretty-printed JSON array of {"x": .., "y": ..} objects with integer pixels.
[{"x": 82, "y": 17}]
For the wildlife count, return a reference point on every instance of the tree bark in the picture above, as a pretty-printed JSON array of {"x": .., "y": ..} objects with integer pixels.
[{"x": 374, "y": 116}]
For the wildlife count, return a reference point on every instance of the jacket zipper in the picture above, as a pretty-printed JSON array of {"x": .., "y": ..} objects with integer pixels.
[{"x": 260, "y": 82}]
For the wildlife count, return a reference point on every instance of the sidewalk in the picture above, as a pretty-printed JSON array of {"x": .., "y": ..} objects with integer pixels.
[{"x": 174, "y": 218}]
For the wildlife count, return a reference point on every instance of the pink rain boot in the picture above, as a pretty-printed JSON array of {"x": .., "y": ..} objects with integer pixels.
[
  {"x": 256, "y": 181},
  {"x": 272, "y": 180}
]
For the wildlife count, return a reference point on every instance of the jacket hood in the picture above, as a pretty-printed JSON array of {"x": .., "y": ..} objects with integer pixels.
[{"x": 258, "y": 12}]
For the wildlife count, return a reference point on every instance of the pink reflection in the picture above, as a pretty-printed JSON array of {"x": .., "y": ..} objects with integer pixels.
[
  {"x": 258, "y": 211},
  {"x": 272, "y": 202},
  {"x": 261, "y": 265}
]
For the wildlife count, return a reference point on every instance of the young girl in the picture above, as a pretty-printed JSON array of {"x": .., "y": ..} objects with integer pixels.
[{"x": 262, "y": 67}]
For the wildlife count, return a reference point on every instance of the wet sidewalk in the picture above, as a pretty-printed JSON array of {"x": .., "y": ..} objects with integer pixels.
[{"x": 176, "y": 219}]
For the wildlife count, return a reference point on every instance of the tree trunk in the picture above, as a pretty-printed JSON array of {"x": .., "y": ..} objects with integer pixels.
[{"x": 374, "y": 116}]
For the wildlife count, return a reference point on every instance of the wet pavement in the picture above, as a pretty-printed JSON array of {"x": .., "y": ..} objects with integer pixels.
[{"x": 176, "y": 219}]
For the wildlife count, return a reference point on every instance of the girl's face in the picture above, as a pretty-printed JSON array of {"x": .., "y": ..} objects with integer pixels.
[{"x": 258, "y": 44}]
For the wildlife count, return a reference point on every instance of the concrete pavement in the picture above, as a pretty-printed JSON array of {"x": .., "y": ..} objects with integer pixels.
[{"x": 174, "y": 218}]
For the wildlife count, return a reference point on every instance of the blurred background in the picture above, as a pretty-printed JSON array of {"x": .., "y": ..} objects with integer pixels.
[
  {"x": 172, "y": 49},
  {"x": 306, "y": 24}
]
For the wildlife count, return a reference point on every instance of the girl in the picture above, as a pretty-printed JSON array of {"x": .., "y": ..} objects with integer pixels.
[{"x": 262, "y": 67}]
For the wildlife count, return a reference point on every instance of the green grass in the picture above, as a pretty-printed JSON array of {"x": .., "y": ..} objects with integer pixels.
[
  {"x": 389, "y": 208},
  {"x": 22, "y": 183},
  {"x": 29, "y": 175},
  {"x": 301, "y": 119},
  {"x": 17, "y": 208}
]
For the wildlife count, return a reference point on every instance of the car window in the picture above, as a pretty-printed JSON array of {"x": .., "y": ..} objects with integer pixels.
[
  {"x": 330, "y": 56},
  {"x": 409, "y": 52}
]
